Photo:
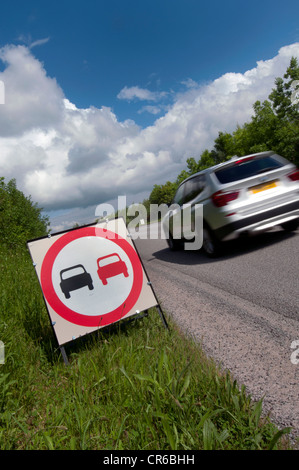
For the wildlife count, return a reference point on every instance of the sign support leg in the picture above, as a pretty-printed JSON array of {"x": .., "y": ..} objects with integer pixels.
[
  {"x": 162, "y": 316},
  {"x": 64, "y": 355}
]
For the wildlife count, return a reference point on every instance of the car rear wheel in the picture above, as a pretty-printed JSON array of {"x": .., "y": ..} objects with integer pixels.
[
  {"x": 210, "y": 244},
  {"x": 174, "y": 244},
  {"x": 290, "y": 226}
]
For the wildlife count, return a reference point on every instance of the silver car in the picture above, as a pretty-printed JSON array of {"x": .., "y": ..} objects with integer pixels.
[{"x": 243, "y": 195}]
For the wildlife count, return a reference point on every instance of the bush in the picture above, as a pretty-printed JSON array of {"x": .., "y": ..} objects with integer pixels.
[{"x": 20, "y": 218}]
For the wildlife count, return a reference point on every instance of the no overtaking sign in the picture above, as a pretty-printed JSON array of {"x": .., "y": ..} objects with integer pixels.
[{"x": 90, "y": 277}]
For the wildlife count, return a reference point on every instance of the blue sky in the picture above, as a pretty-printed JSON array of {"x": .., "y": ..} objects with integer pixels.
[
  {"x": 96, "y": 48},
  {"x": 140, "y": 66}
]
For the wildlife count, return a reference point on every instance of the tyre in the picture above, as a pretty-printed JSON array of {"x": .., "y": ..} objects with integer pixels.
[
  {"x": 174, "y": 244},
  {"x": 210, "y": 244},
  {"x": 290, "y": 226}
]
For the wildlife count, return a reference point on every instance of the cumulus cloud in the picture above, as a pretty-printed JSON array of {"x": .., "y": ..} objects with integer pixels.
[
  {"x": 67, "y": 157},
  {"x": 39, "y": 42},
  {"x": 150, "y": 109},
  {"x": 189, "y": 83},
  {"x": 143, "y": 94},
  {"x": 32, "y": 99},
  {"x": 27, "y": 39}
]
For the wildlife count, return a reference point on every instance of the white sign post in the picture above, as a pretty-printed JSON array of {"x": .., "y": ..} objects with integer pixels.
[{"x": 91, "y": 277}]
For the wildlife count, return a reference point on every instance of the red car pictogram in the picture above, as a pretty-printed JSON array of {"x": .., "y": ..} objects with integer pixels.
[{"x": 112, "y": 268}]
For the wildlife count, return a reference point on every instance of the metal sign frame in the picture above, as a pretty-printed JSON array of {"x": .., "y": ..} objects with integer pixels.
[{"x": 44, "y": 252}]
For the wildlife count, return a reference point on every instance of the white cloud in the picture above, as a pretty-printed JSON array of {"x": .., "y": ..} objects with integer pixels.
[
  {"x": 142, "y": 94},
  {"x": 27, "y": 40},
  {"x": 66, "y": 157},
  {"x": 150, "y": 109},
  {"x": 39, "y": 42},
  {"x": 32, "y": 100},
  {"x": 189, "y": 83}
]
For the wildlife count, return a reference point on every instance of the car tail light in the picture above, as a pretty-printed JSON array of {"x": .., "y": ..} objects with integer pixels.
[
  {"x": 243, "y": 160},
  {"x": 222, "y": 198},
  {"x": 294, "y": 176}
]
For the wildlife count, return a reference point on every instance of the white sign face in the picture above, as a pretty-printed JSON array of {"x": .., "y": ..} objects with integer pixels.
[
  {"x": 91, "y": 277},
  {"x": 101, "y": 274}
]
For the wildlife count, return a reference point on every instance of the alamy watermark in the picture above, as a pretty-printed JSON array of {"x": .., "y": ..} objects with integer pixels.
[
  {"x": 295, "y": 354},
  {"x": 2, "y": 353},
  {"x": 180, "y": 223},
  {"x": 295, "y": 93},
  {"x": 2, "y": 92}
]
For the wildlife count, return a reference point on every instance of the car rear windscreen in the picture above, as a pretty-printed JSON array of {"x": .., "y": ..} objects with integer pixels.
[{"x": 247, "y": 169}]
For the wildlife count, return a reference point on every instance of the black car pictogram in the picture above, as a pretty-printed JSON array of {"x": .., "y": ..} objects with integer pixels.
[{"x": 79, "y": 278}]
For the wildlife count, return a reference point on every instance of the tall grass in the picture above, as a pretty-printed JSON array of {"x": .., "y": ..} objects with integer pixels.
[{"x": 137, "y": 386}]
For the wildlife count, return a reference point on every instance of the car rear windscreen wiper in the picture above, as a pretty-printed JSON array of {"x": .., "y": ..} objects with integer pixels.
[{"x": 263, "y": 170}]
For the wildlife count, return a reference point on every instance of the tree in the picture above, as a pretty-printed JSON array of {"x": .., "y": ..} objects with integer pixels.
[
  {"x": 224, "y": 147},
  {"x": 193, "y": 167},
  {"x": 205, "y": 161},
  {"x": 281, "y": 95},
  {"x": 163, "y": 194},
  {"x": 261, "y": 130},
  {"x": 20, "y": 218}
]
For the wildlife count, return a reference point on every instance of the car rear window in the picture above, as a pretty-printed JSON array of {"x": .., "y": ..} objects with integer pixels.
[{"x": 246, "y": 169}]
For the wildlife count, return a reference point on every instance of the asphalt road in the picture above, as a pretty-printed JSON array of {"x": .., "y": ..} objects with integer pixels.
[{"x": 242, "y": 308}]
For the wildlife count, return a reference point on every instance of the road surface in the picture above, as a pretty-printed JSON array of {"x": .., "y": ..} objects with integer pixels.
[{"x": 242, "y": 308}]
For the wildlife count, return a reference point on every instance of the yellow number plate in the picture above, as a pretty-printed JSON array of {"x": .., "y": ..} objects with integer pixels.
[{"x": 263, "y": 187}]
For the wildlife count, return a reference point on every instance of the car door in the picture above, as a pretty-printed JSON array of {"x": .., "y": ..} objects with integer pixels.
[
  {"x": 173, "y": 218},
  {"x": 182, "y": 217}
]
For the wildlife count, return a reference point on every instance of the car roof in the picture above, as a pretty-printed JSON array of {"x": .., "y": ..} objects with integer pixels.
[
  {"x": 73, "y": 267},
  {"x": 213, "y": 168}
]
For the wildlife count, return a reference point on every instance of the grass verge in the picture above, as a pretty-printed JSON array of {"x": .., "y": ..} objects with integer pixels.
[{"x": 136, "y": 387}]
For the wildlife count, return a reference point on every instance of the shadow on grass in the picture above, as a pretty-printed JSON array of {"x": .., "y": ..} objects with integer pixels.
[{"x": 43, "y": 335}]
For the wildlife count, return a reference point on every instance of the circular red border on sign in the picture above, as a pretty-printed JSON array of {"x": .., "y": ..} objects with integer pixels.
[{"x": 74, "y": 317}]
